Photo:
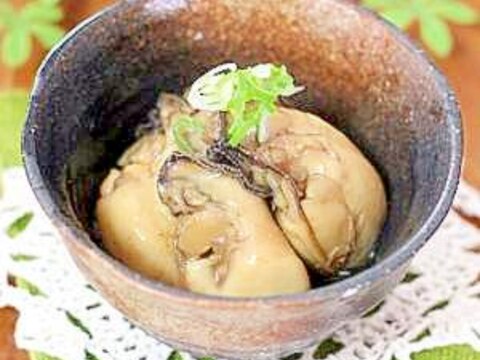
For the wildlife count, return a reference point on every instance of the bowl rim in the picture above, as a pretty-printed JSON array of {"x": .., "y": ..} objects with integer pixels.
[{"x": 341, "y": 288}]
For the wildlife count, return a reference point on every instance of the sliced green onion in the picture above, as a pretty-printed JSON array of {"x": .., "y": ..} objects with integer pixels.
[
  {"x": 181, "y": 125},
  {"x": 248, "y": 95}
]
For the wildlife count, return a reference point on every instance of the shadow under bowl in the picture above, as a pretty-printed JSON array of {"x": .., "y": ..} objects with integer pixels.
[{"x": 360, "y": 73}]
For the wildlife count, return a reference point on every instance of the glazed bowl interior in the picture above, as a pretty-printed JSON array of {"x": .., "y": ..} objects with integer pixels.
[{"x": 360, "y": 74}]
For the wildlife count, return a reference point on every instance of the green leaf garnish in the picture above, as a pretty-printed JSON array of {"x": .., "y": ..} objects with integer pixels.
[
  {"x": 326, "y": 348},
  {"x": 78, "y": 323},
  {"x": 248, "y": 95},
  {"x": 35, "y": 355},
  {"x": 175, "y": 355},
  {"x": 181, "y": 125},
  {"x": 22, "y": 257},
  {"x": 449, "y": 352},
  {"x": 19, "y": 225},
  {"x": 28, "y": 286}
]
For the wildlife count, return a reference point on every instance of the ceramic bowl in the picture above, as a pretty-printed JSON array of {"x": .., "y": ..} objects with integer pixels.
[{"x": 361, "y": 74}]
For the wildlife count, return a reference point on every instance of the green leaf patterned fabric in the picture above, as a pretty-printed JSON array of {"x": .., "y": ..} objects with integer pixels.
[
  {"x": 175, "y": 355},
  {"x": 41, "y": 356},
  {"x": 47, "y": 34},
  {"x": 16, "y": 46},
  {"x": 435, "y": 33},
  {"x": 451, "y": 352},
  {"x": 19, "y": 225},
  {"x": 36, "y": 19},
  {"x": 327, "y": 347},
  {"x": 457, "y": 12},
  {"x": 75, "y": 321},
  {"x": 28, "y": 286},
  {"x": 432, "y": 16},
  {"x": 13, "y": 105}
]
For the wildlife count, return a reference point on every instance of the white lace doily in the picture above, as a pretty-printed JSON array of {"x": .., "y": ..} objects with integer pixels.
[{"x": 437, "y": 304}]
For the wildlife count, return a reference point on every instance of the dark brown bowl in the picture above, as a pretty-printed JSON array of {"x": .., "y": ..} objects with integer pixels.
[{"x": 360, "y": 72}]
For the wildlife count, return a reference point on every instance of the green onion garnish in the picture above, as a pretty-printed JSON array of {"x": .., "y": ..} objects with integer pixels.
[
  {"x": 248, "y": 95},
  {"x": 181, "y": 125}
]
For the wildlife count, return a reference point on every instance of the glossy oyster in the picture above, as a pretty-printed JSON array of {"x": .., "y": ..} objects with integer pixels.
[
  {"x": 226, "y": 238},
  {"x": 340, "y": 194},
  {"x": 136, "y": 226}
]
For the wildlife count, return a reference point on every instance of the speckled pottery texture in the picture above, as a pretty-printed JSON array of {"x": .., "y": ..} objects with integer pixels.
[{"x": 360, "y": 73}]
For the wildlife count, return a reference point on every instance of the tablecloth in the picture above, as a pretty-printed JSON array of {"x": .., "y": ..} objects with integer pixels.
[{"x": 435, "y": 311}]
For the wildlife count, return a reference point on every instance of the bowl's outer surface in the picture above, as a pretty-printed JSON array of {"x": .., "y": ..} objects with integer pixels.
[{"x": 360, "y": 73}]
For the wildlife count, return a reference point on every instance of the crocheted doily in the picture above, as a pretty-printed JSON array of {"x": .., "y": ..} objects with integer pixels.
[{"x": 438, "y": 302}]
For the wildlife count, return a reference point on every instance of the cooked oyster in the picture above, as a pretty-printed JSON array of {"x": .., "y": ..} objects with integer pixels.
[
  {"x": 136, "y": 226},
  {"x": 341, "y": 195},
  {"x": 226, "y": 238},
  {"x": 266, "y": 182}
]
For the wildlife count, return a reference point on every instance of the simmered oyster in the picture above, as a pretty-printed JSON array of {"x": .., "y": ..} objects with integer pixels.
[
  {"x": 136, "y": 226},
  {"x": 232, "y": 195},
  {"x": 341, "y": 195},
  {"x": 226, "y": 238}
]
